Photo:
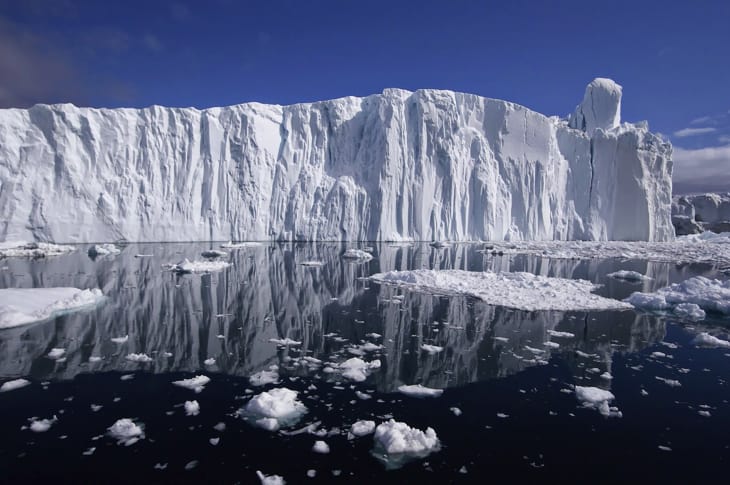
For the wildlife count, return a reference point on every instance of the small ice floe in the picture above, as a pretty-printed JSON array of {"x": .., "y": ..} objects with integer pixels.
[
  {"x": 502, "y": 415},
  {"x": 192, "y": 408},
  {"x": 42, "y": 425},
  {"x": 311, "y": 264},
  {"x": 606, "y": 375},
  {"x": 213, "y": 253},
  {"x": 274, "y": 409},
  {"x": 704, "y": 413},
  {"x": 363, "y": 396},
  {"x": 418, "y": 390},
  {"x": 669, "y": 382},
  {"x": 144, "y": 255},
  {"x": 501, "y": 339},
  {"x": 431, "y": 349},
  {"x": 209, "y": 361},
  {"x": 188, "y": 266},
  {"x": 265, "y": 377},
  {"x": 704, "y": 339},
  {"x": 362, "y": 427},
  {"x": 521, "y": 291},
  {"x": 596, "y": 398},
  {"x": 89, "y": 451},
  {"x": 196, "y": 383},
  {"x": 98, "y": 250},
  {"x": 311, "y": 473},
  {"x": 321, "y": 447},
  {"x": 126, "y": 431},
  {"x": 127, "y": 377},
  {"x": 628, "y": 275},
  {"x": 240, "y": 245},
  {"x": 96, "y": 407},
  {"x": 35, "y": 250},
  {"x": 373, "y": 335},
  {"x": 555, "y": 333},
  {"x": 440, "y": 244},
  {"x": 270, "y": 479},
  {"x": 220, "y": 427},
  {"x": 95, "y": 358},
  {"x": 551, "y": 345},
  {"x": 21, "y": 306},
  {"x": 396, "y": 443},
  {"x": 707, "y": 294},
  {"x": 120, "y": 340},
  {"x": 455, "y": 411},
  {"x": 357, "y": 255},
  {"x": 664, "y": 448},
  {"x": 356, "y": 369},
  {"x": 139, "y": 358},
  {"x": 214, "y": 441},
  {"x": 56, "y": 353},
  {"x": 191, "y": 465},
  {"x": 689, "y": 311},
  {"x": 285, "y": 341},
  {"x": 14, "y": 384}
]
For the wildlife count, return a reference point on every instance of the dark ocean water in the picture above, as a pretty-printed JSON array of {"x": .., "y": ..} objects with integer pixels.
[{"x": 519, "y": 419}]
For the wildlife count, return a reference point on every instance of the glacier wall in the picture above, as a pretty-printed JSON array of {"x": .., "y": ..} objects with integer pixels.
[{"x": 423, "y": 165}]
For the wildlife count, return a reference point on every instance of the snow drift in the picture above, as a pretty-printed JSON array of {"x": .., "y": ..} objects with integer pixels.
[{"x": 423, "y": 165}]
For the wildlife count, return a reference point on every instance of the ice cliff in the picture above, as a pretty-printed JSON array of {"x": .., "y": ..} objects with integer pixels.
[
  {"x": 693, "y": 214},
  {"x": 423, "y": 165}
]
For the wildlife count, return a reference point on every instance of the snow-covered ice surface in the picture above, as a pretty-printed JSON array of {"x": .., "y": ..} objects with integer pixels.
[
  {"x": 524, "y": 291},
  {"x": 596, "y": 398},
  {"x": 196, "y": 383},
  {"x": 396, "y": 443},
  {"x": 21, "y": 306},
  {"x": 206, "y": 266},
  {"x": 363, "y": 427},
  {"x": 24, "y": 249},
  {"x": 429, "y": 165},
  {"x": 690, "y": 298},
  {"x": 273, "y": 409}
]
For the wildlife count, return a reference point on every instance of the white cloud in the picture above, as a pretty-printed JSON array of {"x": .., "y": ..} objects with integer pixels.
[
  {"x": 693, "y": 132},
  {"x": 700, "y": 120},
  {"x": 702, "y": 170}
]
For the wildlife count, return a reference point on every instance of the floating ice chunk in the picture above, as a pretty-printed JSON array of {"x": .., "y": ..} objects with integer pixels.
[
  {"x": 213, "y": 253},
  {"x": 363, "y": 396},
  {"x": 628, "y": 275},
  {"x": 669, "y": 382},
  {"x": 321, "y": 447},
  {"x": 191, "y": 465},
  {"x": 103, "y": 250},
  {"x": 192, "y": 408},
  {"x": 689, "y": 311},
  {"x": 188, "y": 266},
  {"x": 431, "y": 349},
  {"x": 704, "y": 413},
  {"x": 126, "y": 431},
  {"x": 522, "y": 291},
  {"x": 196, "y": 383},
  {"x": 396, "y": 443},
  {"x": 220, "y": 427},
  {"x": 89, "y": 451},
  {"x": 373, "y": 335},
  {"x": 42, "y": 425},
  {"x": 311, "y": 473},
  {"x": 285, "y": 341},
  {"x": 240, "y": 245},
  {"x": 96, "y": 407},
  {"x": 606, "y": 375},
  {"x": 311, "y": 263},
  {"x": 214, "y": 441},
  {"x": 357, "y": 369},
  {"x": 95, "y": 358},
  {"x": 456, "y": 411},
  {"x": 709, "y": 295},
  {"x": 270, "y": 479},
  {"x": 56, "y": 353},
  {"x": 23, "y": 249},
  {"x": 279, "y": 404},
  {"x": 555, "y": 333},
  {"x": 362, "y": 427},
  {"x": 21, "y": 306},
  {"x": 418, "y": 390},
  {"x": 596, "y": 398},
  {"x": 264, "y": 377},
  {"x": 707, "y": 340},
  {"x": 551, "y": 345},
  {"x": 357, "y": 255},
  {"x": 14, "y": 384},
  {"x": 209, "y": 361},
  {"x": 120, "y": 340},
  {"x": 139, "y": 358}
]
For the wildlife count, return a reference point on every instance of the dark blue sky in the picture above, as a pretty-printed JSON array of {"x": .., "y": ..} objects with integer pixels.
[{"x": 673, "y": 58}]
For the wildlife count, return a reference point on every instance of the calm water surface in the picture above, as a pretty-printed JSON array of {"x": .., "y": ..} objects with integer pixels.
[{"x": 519, "y": 419}]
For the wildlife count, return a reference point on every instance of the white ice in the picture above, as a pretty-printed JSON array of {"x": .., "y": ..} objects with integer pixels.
[
  {"x": 418, "y": 390},
  {"x": 196, "y": 383},
  {"x": 431, "y": 349},
  {"x": 21, "y": 306},
  {"x": 356, "y": 369},
  {"x": 14, "y": 384},
  {"x": 708, "y": 294},
  {"x": 706, "y": 340},
  {"x": 144, "y": 358},
  {"x": 357, "y": 255},
  {"x": 103, "y": 250},
  {"x": 192, "y": 408},
  {"x": 23, "y": 249},
  {"x": 207, "y": 266},
  {"x": 628, "y": 275},
  {"x": 596, "y": 398},
  {"x": 42, "y": 425},
  {"x": 321, "y": 447},
  {"x": 264, "y": 377},
  {"x": 270, "y": 479},
  {"x": 396, "y": 442},
  {"x": 279, "y": 407},
  {"x": 126, "y": 431},
  {"x": 362, "y": 427},
  {"x": 522, "y": 291}
]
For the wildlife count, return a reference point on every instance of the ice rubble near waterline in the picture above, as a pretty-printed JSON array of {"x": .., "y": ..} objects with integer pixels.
[
  {"x": 690, "y": 298},
  {"x": 424, "y": 165},
  {"x": 21, "y": 306},
  {"x": 522, "y": 291}
]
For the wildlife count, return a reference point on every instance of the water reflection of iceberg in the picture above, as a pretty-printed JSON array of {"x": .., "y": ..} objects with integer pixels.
[{"x": 232, "y": 315}]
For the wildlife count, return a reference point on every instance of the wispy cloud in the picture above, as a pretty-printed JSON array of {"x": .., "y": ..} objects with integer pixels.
[
  {"x": 701, "y": 120},
  {"x": 702, "y": 170},
  {"x": 694, "y": 131}
]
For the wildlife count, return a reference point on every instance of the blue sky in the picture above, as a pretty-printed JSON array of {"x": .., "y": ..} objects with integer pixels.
[{"x": 672, "y": 58}]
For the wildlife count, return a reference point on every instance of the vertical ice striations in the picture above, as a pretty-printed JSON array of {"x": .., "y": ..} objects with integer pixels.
[{"x": 418, "y": 165}]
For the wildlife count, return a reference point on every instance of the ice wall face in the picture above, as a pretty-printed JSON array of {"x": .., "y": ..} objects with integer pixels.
[
  {"x": 692, "y": 214},
  {"x": 418, "y": 165}
]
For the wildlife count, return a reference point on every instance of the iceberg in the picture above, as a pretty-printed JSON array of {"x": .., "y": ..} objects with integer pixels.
[
  {"x": 429, "y": 165},
  {"x": 21, "y": 306}
]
